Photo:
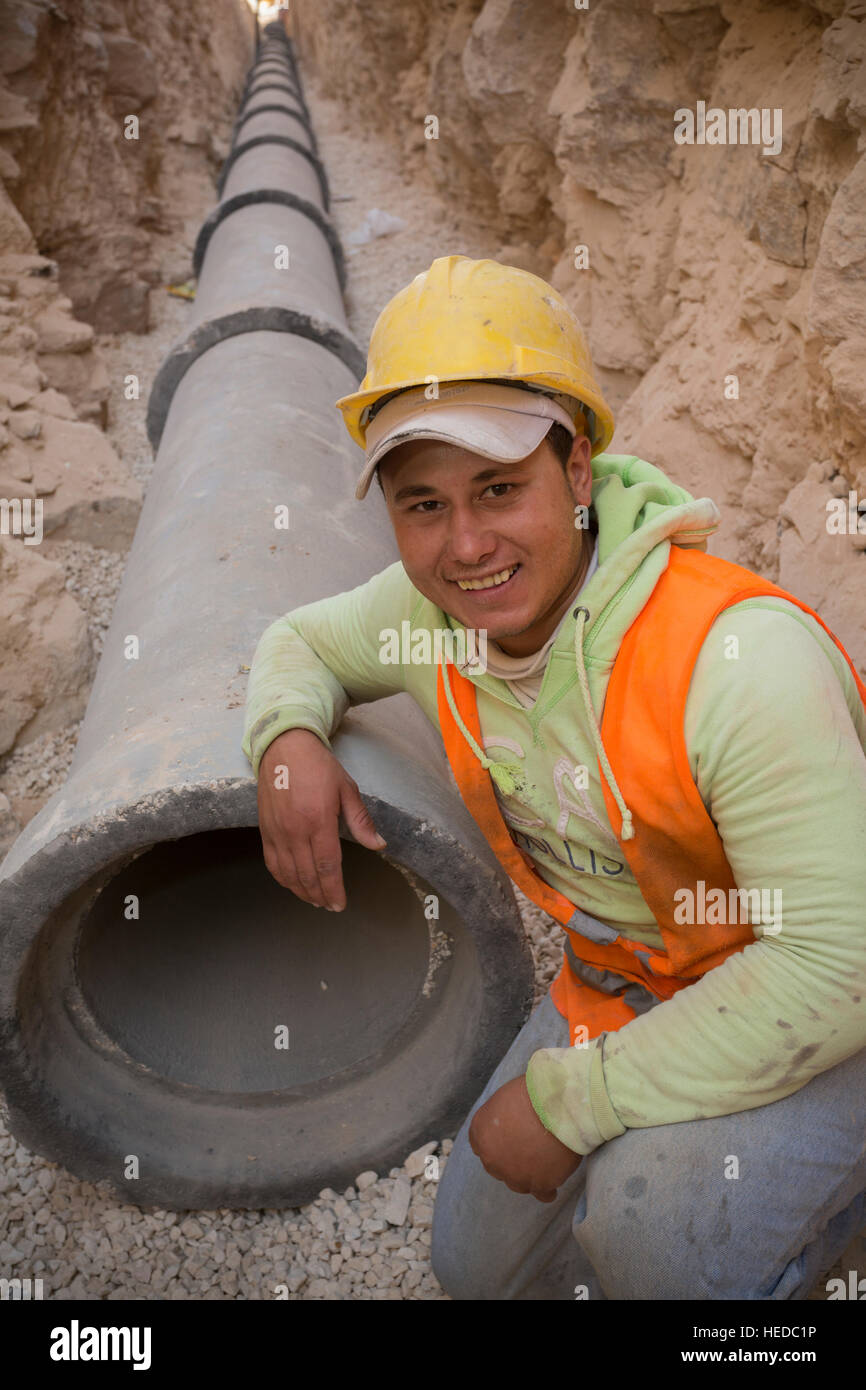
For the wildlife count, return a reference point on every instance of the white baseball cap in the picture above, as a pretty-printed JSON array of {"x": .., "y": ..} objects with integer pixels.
[{"x": 498, "y": 422}]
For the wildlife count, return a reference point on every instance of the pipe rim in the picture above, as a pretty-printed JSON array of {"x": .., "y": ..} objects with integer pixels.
[
  {"x": 283, "y": 110},
  {"x": 284, "y": 87},
  {"x": 62, "y": 1126},
  {"x": 275, "y": 70},
  {"x": 257, "y": 318},
  {"x": 270, "y": 195},
  {"x": 286, "y": 140}
]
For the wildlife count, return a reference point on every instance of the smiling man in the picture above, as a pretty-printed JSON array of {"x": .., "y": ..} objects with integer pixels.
[
  {"x": 515, "y": 581},
  {"x": 682, "y": 1115}
]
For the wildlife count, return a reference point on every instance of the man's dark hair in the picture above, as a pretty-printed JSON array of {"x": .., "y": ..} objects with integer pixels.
[{"x": 560, "y": 442}]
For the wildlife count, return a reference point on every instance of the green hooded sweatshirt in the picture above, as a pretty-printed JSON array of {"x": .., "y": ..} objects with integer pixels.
[{"x": 775, "y": 731}]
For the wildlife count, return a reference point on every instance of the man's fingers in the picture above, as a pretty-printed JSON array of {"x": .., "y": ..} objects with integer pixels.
[
  {"x": 328, "y": 863},
  {"x": 305, "y": 868},
  {"x": 358, "y": 818},
  {"x": 282, "y": 867}
]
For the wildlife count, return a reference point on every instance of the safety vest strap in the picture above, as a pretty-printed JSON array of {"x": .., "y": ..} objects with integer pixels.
[{"x": 586, "y": 1008}]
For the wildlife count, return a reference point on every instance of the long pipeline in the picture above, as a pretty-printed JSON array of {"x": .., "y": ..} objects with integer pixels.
[{"x": 172, "y": 1021}]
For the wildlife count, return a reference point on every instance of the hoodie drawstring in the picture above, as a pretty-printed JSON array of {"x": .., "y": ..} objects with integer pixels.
[
  {"x": 509, "y": 778},
  {"x": 581, "y": 616}
]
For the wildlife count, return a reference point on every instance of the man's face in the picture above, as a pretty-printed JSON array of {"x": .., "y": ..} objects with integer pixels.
[{"x": 458, "y": 516}]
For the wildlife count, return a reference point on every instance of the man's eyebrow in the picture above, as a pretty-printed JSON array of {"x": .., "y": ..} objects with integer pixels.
[
  {"x": 414, "y": 490},
  {"x": 426, "y": 490}
]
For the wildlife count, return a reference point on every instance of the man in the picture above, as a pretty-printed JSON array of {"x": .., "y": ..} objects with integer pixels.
[{"x": 667, "y": 754}]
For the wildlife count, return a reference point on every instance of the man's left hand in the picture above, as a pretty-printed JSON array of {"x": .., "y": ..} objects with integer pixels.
[{"x": 514, "y": 1146}]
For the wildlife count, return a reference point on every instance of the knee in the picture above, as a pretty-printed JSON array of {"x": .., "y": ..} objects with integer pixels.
[
  {"x": 457, "y": 1245},
  {"x": 653, "y": 1235}
]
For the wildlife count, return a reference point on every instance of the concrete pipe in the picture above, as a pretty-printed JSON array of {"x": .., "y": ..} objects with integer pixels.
[
  {"x": 281, "y": 81},
  {"x": 172, "y": 1021},
  {"x": 272, "y": 64},
  {"x": 243, "y": 285},
  {"x": 273, "y": 119},
  {"x": 270, "y": 152},
  {"x": 272, "y": 70},
  {"x": 275, "y": 36},
  {"x": 287, "y": 94},
  {"x": 274, "y": 56},
  {"x": 282, "y": 160},
  {"x": 268, "y": 82},
  {"x": 303, "y": 131},
  {"x": 273, "y": 75}
]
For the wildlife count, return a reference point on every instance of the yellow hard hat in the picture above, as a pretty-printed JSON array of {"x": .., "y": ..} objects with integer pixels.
[{"x": 465, "y": 320}]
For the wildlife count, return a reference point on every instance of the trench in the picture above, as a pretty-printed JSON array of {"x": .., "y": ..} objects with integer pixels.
[{"x": 154, "y": 969}]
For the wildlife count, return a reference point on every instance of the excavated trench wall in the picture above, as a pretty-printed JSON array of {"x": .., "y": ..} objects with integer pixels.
[{"x": 723, "y": 288}]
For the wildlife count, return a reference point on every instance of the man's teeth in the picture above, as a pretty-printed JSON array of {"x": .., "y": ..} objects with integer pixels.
[{"x": 488, "y": 583}]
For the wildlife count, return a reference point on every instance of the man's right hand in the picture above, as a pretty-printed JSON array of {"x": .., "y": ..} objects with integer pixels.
[{"x": 299, "y": 821}]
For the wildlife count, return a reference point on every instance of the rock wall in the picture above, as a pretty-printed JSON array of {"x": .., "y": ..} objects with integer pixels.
[
  {"x": 78, "y": 77},
  {"x": 723, "y": 289},
  {"x": 90, "y": 223}
]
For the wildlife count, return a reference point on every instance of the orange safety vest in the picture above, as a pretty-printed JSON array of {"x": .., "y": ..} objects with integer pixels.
[{"x": 675, "y": 842}]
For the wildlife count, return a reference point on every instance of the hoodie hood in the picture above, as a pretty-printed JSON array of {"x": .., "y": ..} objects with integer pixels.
[{"x": 638, "y": 508}]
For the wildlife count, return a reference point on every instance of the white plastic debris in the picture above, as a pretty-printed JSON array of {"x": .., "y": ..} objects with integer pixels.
[{"x": 376, "y": 223}]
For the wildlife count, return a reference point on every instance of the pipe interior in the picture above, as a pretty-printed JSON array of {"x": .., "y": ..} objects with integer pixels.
[{"x": 220, "y": 959}]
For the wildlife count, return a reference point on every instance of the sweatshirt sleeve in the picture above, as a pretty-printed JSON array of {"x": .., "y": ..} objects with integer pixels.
[
  {"x": 774, "y": 739},
  {"x": 316, "y": 661}
]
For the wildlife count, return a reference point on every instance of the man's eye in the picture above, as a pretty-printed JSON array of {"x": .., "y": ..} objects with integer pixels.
[
  {"x": 428, "y": 502},
  {"x": 493, "y": 486}
]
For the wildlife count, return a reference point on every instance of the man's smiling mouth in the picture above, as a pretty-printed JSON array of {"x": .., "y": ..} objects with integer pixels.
[{"x": 491, "y": 581}]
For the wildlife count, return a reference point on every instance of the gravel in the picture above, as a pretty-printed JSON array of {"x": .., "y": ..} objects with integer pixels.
[{"x": 370, "y": 1242}]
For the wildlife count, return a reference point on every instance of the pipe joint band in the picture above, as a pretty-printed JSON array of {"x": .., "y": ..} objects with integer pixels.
[
  {"x": 238, "y": 150},
  {"x": 255, "y": 319},
  {"x": 270, "y": 195},
  {"x": 285, "y": 111}
]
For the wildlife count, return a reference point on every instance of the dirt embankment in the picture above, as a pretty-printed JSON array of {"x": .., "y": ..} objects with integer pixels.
[
  {"x": 723, "y": 285},
  {"x": 114, "y": 120}
]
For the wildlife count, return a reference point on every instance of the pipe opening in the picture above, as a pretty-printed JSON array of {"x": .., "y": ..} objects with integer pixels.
[{"x": 221, "y": 967}]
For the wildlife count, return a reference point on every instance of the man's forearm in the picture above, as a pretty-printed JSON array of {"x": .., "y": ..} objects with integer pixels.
[
  {"x": 314, "y": 662},
  {"x": 752, "y": 1031},
  {"x": 289, "y": 688}
]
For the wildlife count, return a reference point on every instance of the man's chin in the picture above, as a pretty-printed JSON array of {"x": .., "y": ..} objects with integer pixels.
[
  {"x": 496, "y": 625},
  {"x": 496, "y": 629}
]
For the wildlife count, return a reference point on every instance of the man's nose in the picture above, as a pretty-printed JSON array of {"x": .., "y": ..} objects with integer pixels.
[{"x": 470, "y": 539}]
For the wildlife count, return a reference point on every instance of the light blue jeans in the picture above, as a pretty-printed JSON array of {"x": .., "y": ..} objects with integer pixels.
[{"x": 650, "y": 1215}]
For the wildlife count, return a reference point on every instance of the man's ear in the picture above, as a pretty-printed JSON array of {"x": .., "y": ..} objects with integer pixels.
[{"x": 579, "y": 469}]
